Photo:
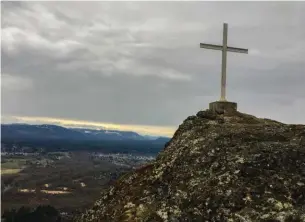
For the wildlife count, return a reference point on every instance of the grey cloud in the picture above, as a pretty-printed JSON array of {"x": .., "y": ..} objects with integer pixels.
[{"x": 140, "y": 62}]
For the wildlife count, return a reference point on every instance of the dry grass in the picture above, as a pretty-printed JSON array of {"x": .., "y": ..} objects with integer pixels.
[
  {"x": 44, "y": 191},
  {"x": 55, "y": 191},
  {"x": 9, "y": 171},
  {"x": 26, "y": 190}
]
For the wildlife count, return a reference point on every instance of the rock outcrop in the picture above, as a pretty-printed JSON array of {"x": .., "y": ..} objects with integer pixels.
[{"x": 217, "y": 167}]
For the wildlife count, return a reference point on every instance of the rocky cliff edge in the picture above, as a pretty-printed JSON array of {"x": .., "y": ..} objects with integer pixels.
[{"x": 217, "y": 167}]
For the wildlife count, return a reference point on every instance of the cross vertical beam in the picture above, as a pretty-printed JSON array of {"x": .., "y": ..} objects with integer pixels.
[{"x": 224, "y": 62}]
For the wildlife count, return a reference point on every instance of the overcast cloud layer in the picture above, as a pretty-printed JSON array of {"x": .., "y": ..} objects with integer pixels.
[{"x": 140, "y": 63}]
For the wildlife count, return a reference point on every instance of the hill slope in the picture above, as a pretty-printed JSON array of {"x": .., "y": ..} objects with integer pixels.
[{"x": 217, "y": 167}]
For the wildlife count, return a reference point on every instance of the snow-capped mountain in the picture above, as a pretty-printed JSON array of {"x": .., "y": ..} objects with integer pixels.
[{"x": 109, "y": 134}]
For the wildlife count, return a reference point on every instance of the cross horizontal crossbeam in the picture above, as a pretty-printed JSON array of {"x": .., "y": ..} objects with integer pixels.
[{"x": 220, "y": 47}]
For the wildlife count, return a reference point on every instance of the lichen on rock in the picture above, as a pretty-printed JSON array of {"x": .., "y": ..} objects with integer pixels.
[{"x": 217, "y": 167}]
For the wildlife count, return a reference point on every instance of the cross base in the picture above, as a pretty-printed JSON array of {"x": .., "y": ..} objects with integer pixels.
[{"x": 221, "y": 107}]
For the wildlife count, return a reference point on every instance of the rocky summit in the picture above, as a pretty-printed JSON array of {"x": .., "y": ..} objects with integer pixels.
[{"x": 226, "y": 166}]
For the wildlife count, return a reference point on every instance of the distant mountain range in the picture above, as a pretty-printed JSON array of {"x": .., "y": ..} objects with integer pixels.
[{"x": 54, "y": 132}]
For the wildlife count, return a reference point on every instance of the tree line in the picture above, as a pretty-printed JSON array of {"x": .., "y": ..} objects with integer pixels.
[{"x": 45, "y": 213}]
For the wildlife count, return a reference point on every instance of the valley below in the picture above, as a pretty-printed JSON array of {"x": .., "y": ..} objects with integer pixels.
[
  {"x": 65, "y": 168},
  {"x": 68, "y": 181}
]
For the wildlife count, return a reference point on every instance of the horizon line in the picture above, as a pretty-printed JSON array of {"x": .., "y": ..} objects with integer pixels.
[{"x": 70, "y": 123}]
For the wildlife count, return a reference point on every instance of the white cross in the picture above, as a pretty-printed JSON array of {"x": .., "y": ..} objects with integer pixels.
[{"x": 224, "y": 48}]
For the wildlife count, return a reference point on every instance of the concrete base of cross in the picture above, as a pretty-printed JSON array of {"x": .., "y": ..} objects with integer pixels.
[{"x": 223, "y": 107}]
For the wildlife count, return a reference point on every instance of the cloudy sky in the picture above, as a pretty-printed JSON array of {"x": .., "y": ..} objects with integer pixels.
[{"x": 138, "y": 65}]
